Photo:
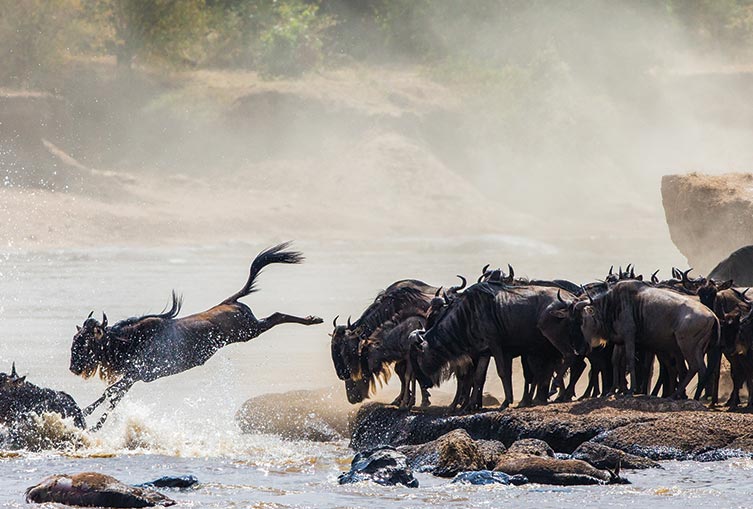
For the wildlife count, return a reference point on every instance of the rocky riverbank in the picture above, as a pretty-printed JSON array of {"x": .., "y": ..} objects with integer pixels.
[{"x": 645, "y": 427}]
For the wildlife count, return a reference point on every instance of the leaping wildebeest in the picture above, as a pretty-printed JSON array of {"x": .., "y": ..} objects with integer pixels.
[{"x": 149, "y": 347}]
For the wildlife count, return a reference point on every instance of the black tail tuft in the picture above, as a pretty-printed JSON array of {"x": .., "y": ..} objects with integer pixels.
[{"x": 275, "y": 254}]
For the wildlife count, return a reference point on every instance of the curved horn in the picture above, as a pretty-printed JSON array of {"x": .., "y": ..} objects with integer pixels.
[
  {"x": 559, "y": 297},
  {"x": 436, "y": 294},
  {"x": 350, "y": 326},
  {"x": 611, "y": 268},
  {"x": 104, "y": 320},
  {"x": 90, "y": 315},
  {"x": 512, "y": 271},
  {"x": 446, "y": 298},
  {"x": 655, "y": 279},
  {"x": 685, "y": 274},
  {"x": 13, "y": 373},
  {"x": 486, "y": 267},
  {"x": 632, "y": 272},
  {"x": 590, "y": 300},
  {"x": 454, "y": 289},
  {"x": 619, "y": 272},
  {"x": 334, "y": 322}
]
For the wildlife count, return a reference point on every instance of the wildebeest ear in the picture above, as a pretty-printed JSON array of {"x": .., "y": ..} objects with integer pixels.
[
  {"x": 559, "y": 313},
  {"x": 78, "y": 328},
  {"x": 640, "y": 278}
]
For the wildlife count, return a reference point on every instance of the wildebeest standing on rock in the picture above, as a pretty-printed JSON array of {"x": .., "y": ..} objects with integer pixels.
[
  {"x": 153, "y": 346},
  {"x": 19, "y": 399},
  {"x": 362, "y": 352},
  {"x": 505, "y": 320},
  {"x": 673, "y": 325}
]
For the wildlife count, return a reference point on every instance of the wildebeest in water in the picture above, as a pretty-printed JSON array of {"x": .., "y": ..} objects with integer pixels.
[
  {"x": 19, "y": 399},
  {"x": 153, "y": 346}
]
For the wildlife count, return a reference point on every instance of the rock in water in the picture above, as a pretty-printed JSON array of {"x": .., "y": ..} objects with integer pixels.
[
  {"x": 91, "y": 489},
  {"x": 535, "y": 460},
  {"x": 483, "y": 477},
  {"x": 171, "y": 481},
  {"x": 604, "y": 457},
  {"x": 454, "y": 452},
  {"x": 384, "y": 465}
]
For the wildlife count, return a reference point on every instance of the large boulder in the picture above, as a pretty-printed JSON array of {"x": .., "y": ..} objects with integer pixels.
[
  {"x": 452, "y": 453},
  {"x": 316, "y": 415},
  {"x": 384, "y": 465},
  {"x": 91, "y": 489},
  {"x": 544, "y": 469},
  {"x": 708, "y": 216}
]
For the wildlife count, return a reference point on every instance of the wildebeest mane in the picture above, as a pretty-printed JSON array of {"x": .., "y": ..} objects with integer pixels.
[
  {"x": 165, "y": 314},
  {"x": 387, "y": 306}
]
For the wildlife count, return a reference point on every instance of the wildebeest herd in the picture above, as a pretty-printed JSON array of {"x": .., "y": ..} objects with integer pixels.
[{"x": 619, "y": 326}]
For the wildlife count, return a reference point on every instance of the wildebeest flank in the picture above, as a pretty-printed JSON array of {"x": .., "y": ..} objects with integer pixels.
[{"x": 154, "y": 346}]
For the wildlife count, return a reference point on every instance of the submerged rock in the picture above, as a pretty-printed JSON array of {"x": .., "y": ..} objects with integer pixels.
[
  {"x": 296, "y": 415},
  {"x": 604, "y": 457},
  {"x": 483, "y": 477},
  {"x": 452, "y": 453},
  {"x": 385, "y": 465},
  {"x": 91, "y": 489},
  {"x": 179, "y": 482}
]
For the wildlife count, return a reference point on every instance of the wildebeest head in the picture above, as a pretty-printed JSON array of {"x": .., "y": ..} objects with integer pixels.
[
  {"x": 344, "y": 347},
  {"x": 591, "y": 324},
  {"x": 708, "y": 290},
  {"x": 12, "y": 381},
  {"x": 85, "y": 347},
  {"x": 561, "y": 318}
]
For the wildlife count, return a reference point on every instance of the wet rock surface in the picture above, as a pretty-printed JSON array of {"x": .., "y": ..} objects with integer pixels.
[
  {"x": 384, "y": 465},
  {"x": 484, "y": 477},
  {"x": 91, "y": 489},
  {"x": 535, "y": 463},
  {"x": 604, "y": 457},
  {"x": 645, "y": 427},
  {"x": 453, "y": 453}
]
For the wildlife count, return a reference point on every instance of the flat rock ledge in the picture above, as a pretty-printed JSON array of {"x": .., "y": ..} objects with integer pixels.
[{"x": 653, "y": 428}]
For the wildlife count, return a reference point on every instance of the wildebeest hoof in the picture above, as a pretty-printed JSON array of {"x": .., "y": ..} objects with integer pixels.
[
  {"x": 91, "y": 489},
  {"x": 425, "y": 403}
]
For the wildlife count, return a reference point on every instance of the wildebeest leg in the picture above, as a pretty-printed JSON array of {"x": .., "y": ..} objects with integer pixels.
[
  {"x": 425, "y": 395},
  {"x": 475, "y": 400},
  {"x": 504, "y": 370},
  {"x": 618, "y": 370},
  {"x": 279, "y": 318},
  {"x": 576, "y": 371},
  {"x": 694, "y": 353},
  {"x": 114, "y": 394},
  {"x": 400, "y": 370},
  {"x": 737, "y": 382},
  {"x": 714, "y": 366},
  {"x": 88, "y": 410}
]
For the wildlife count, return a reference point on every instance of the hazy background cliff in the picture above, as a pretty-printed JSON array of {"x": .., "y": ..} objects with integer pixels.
[{"x": 193, "y": 121}]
